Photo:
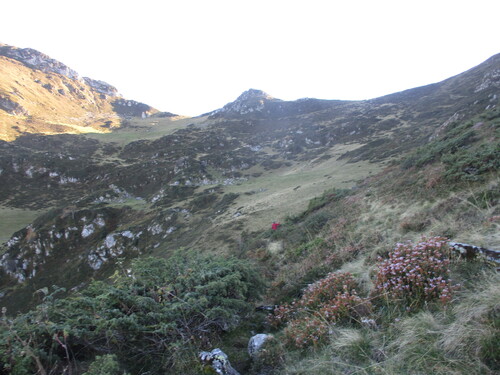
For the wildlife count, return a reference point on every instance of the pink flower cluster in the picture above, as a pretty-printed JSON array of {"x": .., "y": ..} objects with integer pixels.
[
  {"x": 416, "y": 273},
  {"x": 328, "y": 288},
  {"x": 325, "y": 302},
  {"x": 306, "y": 332}
]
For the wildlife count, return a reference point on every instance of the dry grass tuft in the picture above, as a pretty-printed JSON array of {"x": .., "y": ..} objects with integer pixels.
[{"x": 476, "y": 321}]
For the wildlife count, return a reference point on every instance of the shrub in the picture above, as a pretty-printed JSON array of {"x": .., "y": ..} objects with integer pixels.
[
  {"x": 416, "y": 273},
  {"x": 104, "y": 365},
  {"x": 330, "y": 300},
  {"x": 306, "y": 248},
  {"x": 455, "y": 139},
  {"x": 306, "y": 331},
  {"x": 468, "y": 165},
  {"x": 323, "y": 291},
  {"x": 330, "y": 195},
  {"x": 316, "y": 221},
  {"x": 152, "y": 318}
]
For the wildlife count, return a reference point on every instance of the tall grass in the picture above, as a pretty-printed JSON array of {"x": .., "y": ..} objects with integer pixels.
[{"x": 461, "y": 340}]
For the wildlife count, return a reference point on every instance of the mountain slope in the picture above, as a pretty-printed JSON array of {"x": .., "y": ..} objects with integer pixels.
[
  {"x": 347, "y": 180},
  {"x": 41, "y": 95},
  {"x": 256, "y": 160}
]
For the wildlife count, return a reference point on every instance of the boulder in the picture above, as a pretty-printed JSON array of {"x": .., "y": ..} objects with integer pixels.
[
  {"x": 471, "y": 251},
  {"x": 255, "y": 344},
  {"x": 218, "y": 361}
]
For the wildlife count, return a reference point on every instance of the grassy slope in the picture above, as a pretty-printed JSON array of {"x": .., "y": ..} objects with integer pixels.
[
  {"x": 14, "y": 219},
  {"x": 76, "y": 108},
  {"x": 432, "y": 341},
  {"x": 146, "y": 129},
  {"x": 394, "y": 206},
  {"x": 272, "y": 195},
  {"x": 287, "y": 191}
]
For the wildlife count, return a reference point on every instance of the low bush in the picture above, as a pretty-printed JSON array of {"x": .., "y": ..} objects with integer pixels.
[
  {"x": 469, "y": 165},
  {"x": 303, "y": 250},
  {"x": 415, "y": 274},
  {"x": 455, "y": 139},
  {"x": 328, "y": 196},
  {"x": 330, "y": 300},
  {"x": 153, "y": 317},
  {"x": 104, "y": 365},
  {"x": 313, "y": 223}
]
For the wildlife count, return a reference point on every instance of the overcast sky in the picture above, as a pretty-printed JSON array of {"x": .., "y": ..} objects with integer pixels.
[{"x": 194, "y": 56}]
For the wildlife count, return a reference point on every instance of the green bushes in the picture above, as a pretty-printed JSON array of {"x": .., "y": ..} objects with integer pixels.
[
  {"x": 315, "y": 222},
  {"x": 328, "y": 196},
  {"x": 152, "y": 317},
  {"x": 468, "y": 165},
  {"x": 466, "y": 151},
  {"x": 455, "y": 139},
  {"x": 104, "y": 365}
]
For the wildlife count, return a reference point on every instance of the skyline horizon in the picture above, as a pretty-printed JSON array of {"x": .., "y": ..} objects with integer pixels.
[
  {"x": 194, "y": 56},
  {"x": 249, "y": 88}
]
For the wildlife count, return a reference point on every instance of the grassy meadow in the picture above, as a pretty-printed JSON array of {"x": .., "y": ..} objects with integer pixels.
[{"x": 14, "y": 219}]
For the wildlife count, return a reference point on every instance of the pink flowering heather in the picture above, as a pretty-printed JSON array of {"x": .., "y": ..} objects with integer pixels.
[
  {"x": 326, "y": 289},
  {"x": 416, "y": 273},
  {"x": 306, "y": 332},
  {"x": 328, "y": 301}
]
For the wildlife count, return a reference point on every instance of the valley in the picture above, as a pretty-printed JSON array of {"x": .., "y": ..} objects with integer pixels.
[{"x": 92, "y": 184}]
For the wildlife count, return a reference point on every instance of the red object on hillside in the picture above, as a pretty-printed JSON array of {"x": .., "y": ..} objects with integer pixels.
[{"x": 275, "y": 226}]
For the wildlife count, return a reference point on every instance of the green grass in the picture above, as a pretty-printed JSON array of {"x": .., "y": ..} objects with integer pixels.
[
  {"x": 287, "y": 191},
  {"x": 146, "y": 129},
  {"x": 136, "y": 204},
  {"x": 14, "y": 219}
]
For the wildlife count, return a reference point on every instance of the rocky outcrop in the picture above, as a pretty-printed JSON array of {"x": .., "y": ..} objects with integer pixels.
[
  {"x": 250, "y": 101},
  {"x": 102, "y": 87},
  {"x": 12, "y": 107},
  {"x": 257, "y": 104},
  {"x": 217, "y": 361},
  {"x": 89, "y": 235},
  {"x": 471, "y": 252},
  {"x": 131, "y": 108},
  {"x": 37, "y": 60},
  {"x": 490, "y": 79}
]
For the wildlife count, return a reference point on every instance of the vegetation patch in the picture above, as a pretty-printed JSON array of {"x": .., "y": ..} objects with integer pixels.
[
  {"x": 332, "y": 299},
  {"x": 151, "y": 317},
  {"x": 416, "y": 273}
]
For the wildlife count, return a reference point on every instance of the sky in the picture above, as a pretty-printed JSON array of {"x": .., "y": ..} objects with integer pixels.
[{"x": 194, "y": 56}]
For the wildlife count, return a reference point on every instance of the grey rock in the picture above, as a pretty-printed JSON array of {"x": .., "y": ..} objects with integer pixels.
[
  {"x": 255, "y": 344},
  {"x": 12, "y": 107},
  {"x": 38, "y": 60},
  {"x": 102, "y": 87},
  {"x": 218, "y": 361}
]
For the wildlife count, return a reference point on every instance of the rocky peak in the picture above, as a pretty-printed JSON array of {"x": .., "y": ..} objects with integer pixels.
[
  {"x": 253, "y": 94},
  {"x": 250, "y": 101},
  {"x": 37, "y": 60}
]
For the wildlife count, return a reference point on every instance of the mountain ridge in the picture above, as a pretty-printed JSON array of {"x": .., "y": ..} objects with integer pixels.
[{"x": 39, "y": 94}]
